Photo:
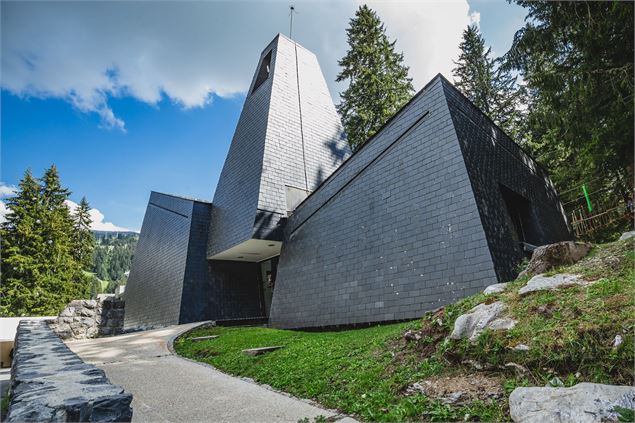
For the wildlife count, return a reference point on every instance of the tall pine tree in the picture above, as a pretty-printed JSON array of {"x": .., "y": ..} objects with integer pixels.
[
  {"x": 378, "y": 80},
  {"x": 483, "y": 80}
]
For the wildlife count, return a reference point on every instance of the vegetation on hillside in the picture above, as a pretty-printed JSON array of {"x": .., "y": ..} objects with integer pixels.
[
  {"x": 46, "y": 248},
  {"x": 576, "y": 59},
  {"x": 378, "y": 80},
  {"x": 113, "y": 258},
  {"x": 371, "y": 372},
  {"x": 573, "y": 111}
]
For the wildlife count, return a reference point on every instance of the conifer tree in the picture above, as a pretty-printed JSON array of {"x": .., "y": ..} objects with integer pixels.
[
  {"x": 40, "y": 274},
  {"x": 378, "y": 80},
  {"x": 576, "y": 58},
  {"x": 84, "y": 239},
  {"x": 22, "y": 248},
  {"x": 63, "y": 277},
  {"x": 488, "y": 85}
]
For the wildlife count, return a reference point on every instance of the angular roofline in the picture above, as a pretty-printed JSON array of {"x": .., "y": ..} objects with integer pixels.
[
  {"x": 381, "y": 128},
  {"x": 443, "y": 78},
  {"x": 181, "y": 197},
  {"x": 281, "y": 35}
]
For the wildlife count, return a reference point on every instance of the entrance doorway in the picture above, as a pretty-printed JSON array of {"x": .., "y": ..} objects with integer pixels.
[
  {"x": 268, "y": 271},
  {"x": 519, "y": 216}
]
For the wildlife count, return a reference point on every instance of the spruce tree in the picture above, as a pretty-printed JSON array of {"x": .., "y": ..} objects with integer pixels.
[
  {"x": 378, "y": 80},
  {"x": 22, "y": 249},
  {"x": 483, "y": 80},
  {"x": 63, "y": 277},
  {"x": 40, "y": 273},
  {"x": 577, "y": 59},
  {"x": 83, "y": 236}
]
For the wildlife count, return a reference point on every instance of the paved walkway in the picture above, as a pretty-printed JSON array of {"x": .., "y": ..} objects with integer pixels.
[{"x": 169, "y": 388}]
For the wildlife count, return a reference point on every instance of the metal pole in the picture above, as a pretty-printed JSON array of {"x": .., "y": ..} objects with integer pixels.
[{"x": 291, "y": 10}]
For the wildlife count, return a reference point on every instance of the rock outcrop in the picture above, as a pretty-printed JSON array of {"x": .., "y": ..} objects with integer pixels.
[
  {"x": 51, "y": 383},
  {"x": 496, "y": 288},
  {"x": 550, "y": 256},
  {"x": 627, "y": 235},
  {"x": 83, "y": 319},
  {"x": 481, "y": 317},
  {"x": 582, "y": 403},
  {"x": 549, "y": 283}
]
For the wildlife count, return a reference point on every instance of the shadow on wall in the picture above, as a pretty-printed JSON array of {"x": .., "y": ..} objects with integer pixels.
[
  {"x": 319, "y": 178},
  {"x": 338, "y": 153},
  {"x": 269, "y": 225}
]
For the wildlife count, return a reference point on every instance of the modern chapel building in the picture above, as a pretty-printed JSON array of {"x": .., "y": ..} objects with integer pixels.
[{"x": 437, "y": 205}]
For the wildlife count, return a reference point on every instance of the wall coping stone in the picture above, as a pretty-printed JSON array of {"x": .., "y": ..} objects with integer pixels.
[{"x": 51, "y": 383}]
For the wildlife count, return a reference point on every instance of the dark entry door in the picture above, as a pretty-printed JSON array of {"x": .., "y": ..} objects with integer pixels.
[
  {"x": 520, "y": 215},
  {"x": 268, "y": 270}
]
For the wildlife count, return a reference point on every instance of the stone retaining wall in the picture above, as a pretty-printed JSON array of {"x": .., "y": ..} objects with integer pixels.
[
  {"x": 83, "y": 319},
  {"x": 51, "y": 383}
]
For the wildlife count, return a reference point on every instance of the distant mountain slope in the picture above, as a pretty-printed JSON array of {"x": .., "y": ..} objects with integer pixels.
[
  {"x": 112, "y": 258},
  {"x": 114, "y": 234}
]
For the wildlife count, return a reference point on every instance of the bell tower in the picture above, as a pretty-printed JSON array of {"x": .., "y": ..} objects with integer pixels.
[{"x": 289, "y": 139}]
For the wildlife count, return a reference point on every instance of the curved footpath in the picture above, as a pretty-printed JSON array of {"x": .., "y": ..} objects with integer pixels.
[{"x": 166, "y": 387}]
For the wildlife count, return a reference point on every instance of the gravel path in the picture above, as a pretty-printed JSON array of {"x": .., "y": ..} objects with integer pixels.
[{"x": 166, "y": 387}]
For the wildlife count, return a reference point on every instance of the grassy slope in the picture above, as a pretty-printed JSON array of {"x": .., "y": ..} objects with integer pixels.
[{"x": 364, "y": 372}]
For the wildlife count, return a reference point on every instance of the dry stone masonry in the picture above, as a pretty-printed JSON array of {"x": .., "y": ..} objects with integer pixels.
[
  {"x": 82, "y": 319},
  {"x": 50, "y": 383}
]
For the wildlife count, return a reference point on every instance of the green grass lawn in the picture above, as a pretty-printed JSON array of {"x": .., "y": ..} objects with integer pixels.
[{"x": 365, "y": 372}]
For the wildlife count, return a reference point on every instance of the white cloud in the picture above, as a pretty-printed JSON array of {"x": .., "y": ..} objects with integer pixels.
[
  {"x": 475, "y": 18},
  {"x": 427, "y": 32},
  {"x": 88, "y": 52},
  {"x": 3, "y": 212},
  {"x": 97, "y": 218},
  {"x": 7, "y": 190}
]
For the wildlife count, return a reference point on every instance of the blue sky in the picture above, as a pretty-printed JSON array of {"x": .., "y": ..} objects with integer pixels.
[{"x": 126, "y": 98}]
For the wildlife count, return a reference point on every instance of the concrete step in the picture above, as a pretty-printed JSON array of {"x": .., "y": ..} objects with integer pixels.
[{"x": 262, "y": 350}]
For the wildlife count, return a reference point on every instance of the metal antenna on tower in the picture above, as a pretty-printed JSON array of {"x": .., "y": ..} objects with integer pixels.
[{"x": 291, "y": 12}]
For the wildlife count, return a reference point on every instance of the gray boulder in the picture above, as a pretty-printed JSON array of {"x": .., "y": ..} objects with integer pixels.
[
  {"x": 496, "y": 288},
  {"x": 549, "y": 283},
  {"x": 550, "y": 256},
  {"x": 502, "y": 323},
  {"x": 627, "y": 235},
  {"x": 481, "y": 317},
  {"x": 582, "y": 403}
]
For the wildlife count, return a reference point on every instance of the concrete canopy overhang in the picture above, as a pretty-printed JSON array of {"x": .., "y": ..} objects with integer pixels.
[{"x": 252, "y": 250}]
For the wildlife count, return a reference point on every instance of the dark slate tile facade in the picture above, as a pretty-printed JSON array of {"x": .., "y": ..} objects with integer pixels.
[
  {"x": 395, "y": 231},
  {"x": 155, "y": 284},
  {"x": 172, "y": 282},
  {"x": 430, "y": 210},
  {"x": 289, "y": 136},
  {"x": 238, "y": 189},
  {"x": 416, "y": 219},
  {"x": 497, "y": 165}
]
